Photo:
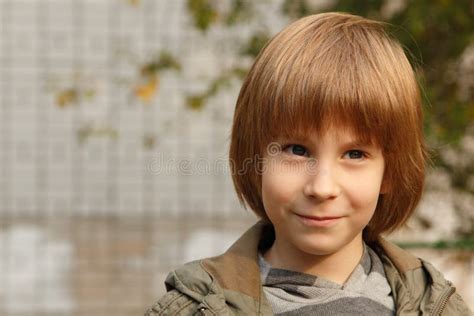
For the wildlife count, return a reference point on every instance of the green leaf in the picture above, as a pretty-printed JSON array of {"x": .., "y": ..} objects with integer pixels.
[{"x": 203, "y": 12}]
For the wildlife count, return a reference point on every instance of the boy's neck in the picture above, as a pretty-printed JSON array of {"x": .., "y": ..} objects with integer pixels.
[{"x": 336, "y": 267}]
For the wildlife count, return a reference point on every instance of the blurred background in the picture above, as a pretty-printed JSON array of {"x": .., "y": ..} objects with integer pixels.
[{"x": 115, "y": 119}]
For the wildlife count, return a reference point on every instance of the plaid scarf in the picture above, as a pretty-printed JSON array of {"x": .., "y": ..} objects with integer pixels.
[{"x": 366, "y": 292}]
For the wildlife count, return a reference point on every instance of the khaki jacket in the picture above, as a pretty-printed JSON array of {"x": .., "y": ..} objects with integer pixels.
[{"x": 230, "y": 283}]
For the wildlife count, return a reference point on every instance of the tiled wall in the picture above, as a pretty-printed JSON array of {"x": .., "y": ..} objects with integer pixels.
[{"x": 48, "y": 164}]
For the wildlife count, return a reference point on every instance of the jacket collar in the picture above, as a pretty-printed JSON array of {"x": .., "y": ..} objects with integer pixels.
[
  {"x": 401, "y": 259},
  {"x": 237, "y": 269}
]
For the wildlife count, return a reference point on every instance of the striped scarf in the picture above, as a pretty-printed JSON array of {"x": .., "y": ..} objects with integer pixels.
[{"x": 366, "y": 292}]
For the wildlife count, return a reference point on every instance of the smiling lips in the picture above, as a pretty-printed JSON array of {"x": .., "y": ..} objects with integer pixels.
[{"x": 317, "y": 221}]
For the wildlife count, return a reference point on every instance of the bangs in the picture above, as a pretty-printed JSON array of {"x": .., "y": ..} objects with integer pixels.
[{"x": 333, "y": 82}]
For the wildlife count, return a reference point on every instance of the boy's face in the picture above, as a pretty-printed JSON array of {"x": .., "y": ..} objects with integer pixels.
[{"x": 320, "y": 193}]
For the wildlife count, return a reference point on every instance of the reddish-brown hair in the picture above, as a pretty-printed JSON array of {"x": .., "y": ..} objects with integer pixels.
[{"x": 333, "y": 69}]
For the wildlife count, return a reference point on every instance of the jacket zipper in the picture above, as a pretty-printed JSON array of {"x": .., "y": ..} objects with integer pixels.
[{"x": 441, "y": 304}]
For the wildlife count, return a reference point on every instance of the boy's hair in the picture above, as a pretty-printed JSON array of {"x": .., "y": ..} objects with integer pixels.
[
  {"x": 340, "y": 70},
  {"x": 333, "y": 69}
]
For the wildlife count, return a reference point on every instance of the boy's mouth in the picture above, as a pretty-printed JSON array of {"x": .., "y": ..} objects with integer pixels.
[
  {"x": 320, "y": 218},
  {"x": 318, "y": 221}
]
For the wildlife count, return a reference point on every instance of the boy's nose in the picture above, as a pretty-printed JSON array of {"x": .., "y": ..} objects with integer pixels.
[{"x": 322, "y": 185}]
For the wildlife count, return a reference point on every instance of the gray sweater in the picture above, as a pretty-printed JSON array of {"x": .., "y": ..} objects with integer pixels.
[{"x": 366, "y": 292}]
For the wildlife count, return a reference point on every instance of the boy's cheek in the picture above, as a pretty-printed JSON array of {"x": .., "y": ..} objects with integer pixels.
[
  {"x": 367, "y": 184},
  {"x": 279, "y": 189},
  {"x": 364, "y": 195}
]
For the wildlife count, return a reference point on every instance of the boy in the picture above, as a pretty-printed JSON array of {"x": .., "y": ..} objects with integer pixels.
[{"x": 330, "y": 116}]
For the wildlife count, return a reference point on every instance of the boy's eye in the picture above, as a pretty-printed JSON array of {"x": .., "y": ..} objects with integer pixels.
[
  {"x": 295, "y": 149},
  {"x": 354, "y": 154}
]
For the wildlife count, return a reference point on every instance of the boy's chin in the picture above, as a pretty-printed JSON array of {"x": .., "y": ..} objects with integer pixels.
[{"x": 328, "y": 246}]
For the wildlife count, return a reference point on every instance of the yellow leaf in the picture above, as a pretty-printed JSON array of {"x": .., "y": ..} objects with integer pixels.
[
  {"x": 66, "y": 97},
  {"x": 134, "y": 2},
  {"x": 147, "y": 91}
]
